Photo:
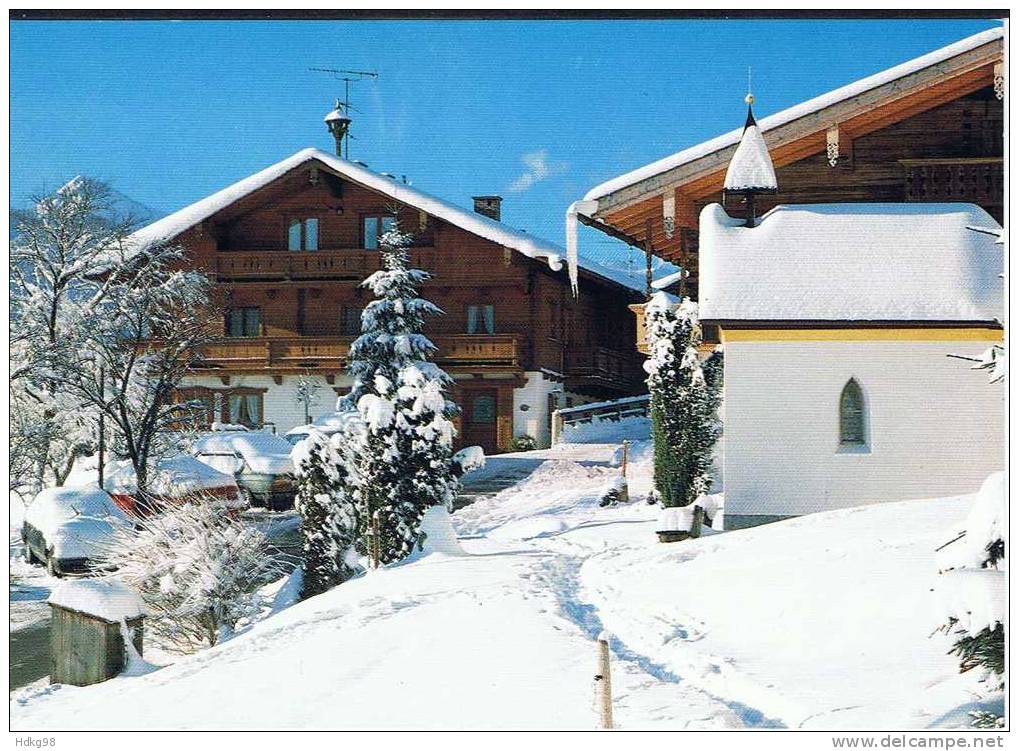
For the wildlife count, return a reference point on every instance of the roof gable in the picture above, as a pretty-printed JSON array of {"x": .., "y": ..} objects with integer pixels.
[
  {"x": 171, "y": 226},
  {"x": 606, "y": 192}
]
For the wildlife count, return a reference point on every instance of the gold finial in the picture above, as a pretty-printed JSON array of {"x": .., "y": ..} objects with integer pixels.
[{"x": 749, "y": 99}]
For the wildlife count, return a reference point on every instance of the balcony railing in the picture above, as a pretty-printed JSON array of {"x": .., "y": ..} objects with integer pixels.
[
  {"x": 976, "y": 180},
  {"x": 347, "y": 264},
  {"x": 599, "y": 366},
  {"x": 331, "y": 353}
]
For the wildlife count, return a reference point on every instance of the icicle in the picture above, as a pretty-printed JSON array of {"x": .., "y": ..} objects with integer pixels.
[{"x": 587, "y": 208}]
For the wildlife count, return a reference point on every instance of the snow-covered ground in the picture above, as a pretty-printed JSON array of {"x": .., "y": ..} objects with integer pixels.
[{"x": 819, "y": 622}]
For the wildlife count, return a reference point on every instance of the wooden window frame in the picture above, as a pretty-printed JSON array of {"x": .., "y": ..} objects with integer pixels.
[
  {"x": 302, "y": 219},
  {"x": 480, "y": 328},
  {"x": 381, "y": 217},
  {"x": 226, "y": 322},
  {"x": 242, "y": 391}
]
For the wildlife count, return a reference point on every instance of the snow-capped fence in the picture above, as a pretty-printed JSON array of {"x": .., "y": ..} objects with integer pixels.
[
  {"x": 610, "y": 411},
  {"x": 89, "y": 620}
]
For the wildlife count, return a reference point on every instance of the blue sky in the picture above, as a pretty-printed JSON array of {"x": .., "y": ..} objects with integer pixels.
[{"x": 537, "y": 111}]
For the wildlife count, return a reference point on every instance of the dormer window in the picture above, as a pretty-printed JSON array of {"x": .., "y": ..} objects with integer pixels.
[
  {"x": 302, "y": 234},
  {"x": 375, "y": 226}
]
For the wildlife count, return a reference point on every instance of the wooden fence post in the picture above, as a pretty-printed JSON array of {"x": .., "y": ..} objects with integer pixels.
[
  {"x": 603, "y": 682},
  {"x": 626, "y": 452},
  {"x": 557, "y": 427}
]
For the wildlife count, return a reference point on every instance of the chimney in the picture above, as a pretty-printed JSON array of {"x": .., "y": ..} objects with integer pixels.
[{"x": 490, "y": 206}]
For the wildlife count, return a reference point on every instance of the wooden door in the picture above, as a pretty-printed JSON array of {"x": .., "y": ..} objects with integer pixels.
[{"x": 480, "y": 413}]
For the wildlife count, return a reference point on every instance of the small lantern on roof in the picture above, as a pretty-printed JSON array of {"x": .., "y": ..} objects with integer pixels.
[
  {"x": 750, "y": 170},
  {"x": 338, "y": 123}
]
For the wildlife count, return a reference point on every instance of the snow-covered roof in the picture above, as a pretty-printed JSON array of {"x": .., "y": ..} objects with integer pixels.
[
  {"x": 793, "y": 113},
  {"x": 108, "y": 599},
  {"x": 336, "y": 114},
  {"x": 750, "y": 167},
  {"x": 851, "y": 262},
  {"x": 171, "y": 226}
]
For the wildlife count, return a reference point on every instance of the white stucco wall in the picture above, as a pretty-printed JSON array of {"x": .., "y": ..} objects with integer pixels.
[
  {"x": 935, "y": 427},
  {"x": 282, "y": 408},
  {"x": 534, "y": 421},
  {"x": 280, "y": 401}
]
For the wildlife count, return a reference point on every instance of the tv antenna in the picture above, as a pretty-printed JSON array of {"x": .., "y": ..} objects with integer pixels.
[{"x": 338, "y": 121}]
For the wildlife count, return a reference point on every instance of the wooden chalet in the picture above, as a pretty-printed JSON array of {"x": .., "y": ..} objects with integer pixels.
[
  {"x": 928, "y": 130},
  {"x": 289, "y": 247}
]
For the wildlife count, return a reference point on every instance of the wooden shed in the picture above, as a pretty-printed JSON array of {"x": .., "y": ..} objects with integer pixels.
[{"x": 87, "y": 630}]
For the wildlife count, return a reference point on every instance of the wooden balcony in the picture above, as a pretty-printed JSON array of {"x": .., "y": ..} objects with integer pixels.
[
  {"x": 349, "y": 264},
  {"x": 599, "y": 367},
  {"x": 979, "y": 181},
  {"x": 297, "y": 354}
]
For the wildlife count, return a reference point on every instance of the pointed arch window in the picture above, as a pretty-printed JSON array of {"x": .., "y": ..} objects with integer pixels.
[{"x": 852, "y": 415}]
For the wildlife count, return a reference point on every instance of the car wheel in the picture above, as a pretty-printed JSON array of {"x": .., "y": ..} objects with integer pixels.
[{"x": 51, "y": 565}]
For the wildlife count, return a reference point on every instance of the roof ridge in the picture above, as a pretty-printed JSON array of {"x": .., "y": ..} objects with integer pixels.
[{"x": 532, "y": 246}]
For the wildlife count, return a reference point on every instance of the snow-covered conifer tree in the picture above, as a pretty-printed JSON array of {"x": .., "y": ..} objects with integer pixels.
[
  {"x": 404, "y": 465},
  {"x": 684, "y": 401},
  {"x": 326, "y": 501},
  {"x": 973, "y": 590}
]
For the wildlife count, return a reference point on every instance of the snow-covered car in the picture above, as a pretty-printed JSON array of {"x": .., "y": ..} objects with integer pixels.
[
  {"x": 175, "y": 480},
  {"x": 328, "y": 424},
  {"x": 259, "y": 461},
  {"x": 67, "y": 528}
]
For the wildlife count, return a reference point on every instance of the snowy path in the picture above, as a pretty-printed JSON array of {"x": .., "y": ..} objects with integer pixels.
[{"x": 820, "y": 622}]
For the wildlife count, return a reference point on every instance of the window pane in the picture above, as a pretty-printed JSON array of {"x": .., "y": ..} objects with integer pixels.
[
  {"x": 472, "y": 319},
  {"x": 252, "y": 322},
  {"x": 294, "y": 235},
  {"x": 350, "y": 321},
  {"x": 253, "y": 403},
  {"x": 490, "y": 319},
  {"x": 234, "y": 322},
  {"x": 483, "y": 409},
  {"x": 371, "y": 232},
  {"x": 311, "y": 234},
  {"x": 388, "y": 224},
  {"x": 235, "y": 409},
  {"x": 851, "y": 414}
]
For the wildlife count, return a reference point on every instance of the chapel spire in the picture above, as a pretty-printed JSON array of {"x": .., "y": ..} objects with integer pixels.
[{"x": 750, "y": 170}]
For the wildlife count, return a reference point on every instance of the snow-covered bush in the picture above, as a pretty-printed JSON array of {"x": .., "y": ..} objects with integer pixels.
[
  {"x": 468, "y": 459},
  {"x": 404, "y": 461},
  {"x": 614, "y": 492},
  {"x": 329, "y": 513},
  {"x": 684, "y": 401},
  {"x": 197, "y": 569},
  {"x": 972, "y": 585},
  {"x": 524, "y": 443}
]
